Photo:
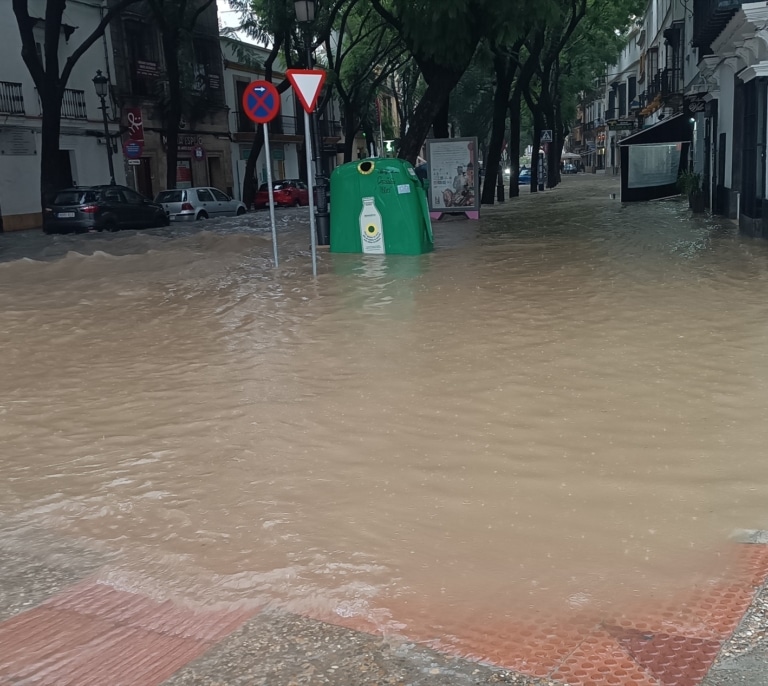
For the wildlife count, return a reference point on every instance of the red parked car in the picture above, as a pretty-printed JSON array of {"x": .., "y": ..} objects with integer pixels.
[{"x": 287, "y": 192}]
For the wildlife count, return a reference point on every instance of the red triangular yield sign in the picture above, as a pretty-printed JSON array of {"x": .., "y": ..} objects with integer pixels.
[{"x": 307, "y": 83}]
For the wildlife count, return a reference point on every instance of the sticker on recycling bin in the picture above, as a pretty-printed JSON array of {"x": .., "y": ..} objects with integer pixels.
[
  {"x": 371, "y": 228},
  {"x": 403, "y": 188}
]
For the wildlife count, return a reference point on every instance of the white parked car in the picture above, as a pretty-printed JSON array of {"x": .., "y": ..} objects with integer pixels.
[{"x": 190, "y": 204}]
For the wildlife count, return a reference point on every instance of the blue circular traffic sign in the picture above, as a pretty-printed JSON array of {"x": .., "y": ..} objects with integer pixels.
[
  {"x": 261, "y": 101},
  {"x": 133, "y": 149}
]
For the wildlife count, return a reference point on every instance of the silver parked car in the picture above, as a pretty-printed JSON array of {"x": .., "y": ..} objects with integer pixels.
[{"x": 189, "y": 204}]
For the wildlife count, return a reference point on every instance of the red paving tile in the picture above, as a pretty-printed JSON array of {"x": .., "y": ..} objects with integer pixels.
[
  {"x": 92, "y": 634},
  {"x": 671, "y": 643},
  {"x": 601, "y": 661}
]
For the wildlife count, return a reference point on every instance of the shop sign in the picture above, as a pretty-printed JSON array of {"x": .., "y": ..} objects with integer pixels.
[
  {"x": 187, "y": 141},
  {"x": 145, "y": 68},
  {"x": 135, "y": 124},
  {"x": 695, "y": 105}
]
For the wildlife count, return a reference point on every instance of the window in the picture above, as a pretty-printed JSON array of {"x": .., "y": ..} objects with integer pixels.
[
  {"x": 207, "y": 67},
  {"x": 204, "y": 195},
  {"x": 243, "y": 122},
  {"x": 142, "y": 53},
  {"x": 221, "y": 197},
  {"x": 114, "y": 196},
  {"x": 70, "y": 198},
  {"x": 133, "y": 198},
  {"x": 172, "y": 196}
]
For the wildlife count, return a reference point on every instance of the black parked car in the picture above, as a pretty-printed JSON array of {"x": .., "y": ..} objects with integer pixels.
[{"x": 101, "y": 208}]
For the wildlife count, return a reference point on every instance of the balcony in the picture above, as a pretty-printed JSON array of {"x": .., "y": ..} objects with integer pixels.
[
  {"x": 281, "y": 125},
  {"x": 709, "y": 19},
  {"x": 72, "y": 104},
  {"x": 11, "y": 98}
]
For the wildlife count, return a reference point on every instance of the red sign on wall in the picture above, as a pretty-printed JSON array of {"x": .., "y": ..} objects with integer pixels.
[{"x": 135, "y": 124}]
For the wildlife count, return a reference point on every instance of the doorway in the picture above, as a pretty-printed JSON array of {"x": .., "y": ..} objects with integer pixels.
[
  {"x": 143, "y": 177},
  {"x": 215, "y": 173}
]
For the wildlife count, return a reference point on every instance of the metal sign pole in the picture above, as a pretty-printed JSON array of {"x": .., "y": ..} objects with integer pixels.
[
  {"x": 311, "y": 184},
  {"x": 270, "y": 190}
]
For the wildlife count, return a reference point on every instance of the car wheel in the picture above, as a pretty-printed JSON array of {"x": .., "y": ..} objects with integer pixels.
[
  {"x": 109, "y": 225},
  {"x": 163, "y": 220},
  {"x": 202, "y": 215},
  {"x": 240, "y": 211}
]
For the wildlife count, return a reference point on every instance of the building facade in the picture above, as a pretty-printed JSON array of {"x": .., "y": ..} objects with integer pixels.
[
  {"x": 83, "y": 150},
  {"x": 732, "y": 41},
  {"x": 141, "y": 92}
]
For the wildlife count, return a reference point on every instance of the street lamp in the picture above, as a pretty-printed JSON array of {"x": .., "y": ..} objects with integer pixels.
[
  {"x": 305, "y": 16},
  {"x": 101, "y": 83}
]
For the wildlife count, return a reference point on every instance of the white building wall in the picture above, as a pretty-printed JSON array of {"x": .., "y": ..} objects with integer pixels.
[
  {"x": 725, "y": 77},
  {"x": 20, "y": 174}
]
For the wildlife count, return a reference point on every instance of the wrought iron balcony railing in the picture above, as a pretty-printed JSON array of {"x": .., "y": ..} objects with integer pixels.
[{"x": 11, "y": 98}]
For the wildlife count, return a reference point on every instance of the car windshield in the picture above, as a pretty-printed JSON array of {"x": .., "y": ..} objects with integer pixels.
[
  {"x": 282, "y": 186},
  {"x": 170, "y": 196},
  {"x": 263, "y": 187},
  {"x": 69, "y": 198}
]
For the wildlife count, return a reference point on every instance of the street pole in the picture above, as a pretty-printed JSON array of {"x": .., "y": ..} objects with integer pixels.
[
  {"x": 314, "y": 141},
  {"x": 101, "y": 83},
  {"x": 108, "y": 142}
]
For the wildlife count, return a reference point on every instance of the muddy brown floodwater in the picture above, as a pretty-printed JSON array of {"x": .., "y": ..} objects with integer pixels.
[{"x": 562, "y": 407}]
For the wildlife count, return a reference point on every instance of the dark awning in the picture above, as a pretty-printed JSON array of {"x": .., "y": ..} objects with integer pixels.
[{"x": 676, "y": 129}]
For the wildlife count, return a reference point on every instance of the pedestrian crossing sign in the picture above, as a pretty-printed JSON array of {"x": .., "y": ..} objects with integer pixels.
[{"x": 546, "y": 136}]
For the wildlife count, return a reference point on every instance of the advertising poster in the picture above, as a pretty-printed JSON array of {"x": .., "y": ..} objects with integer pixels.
[{"x": 454, "y": 181}]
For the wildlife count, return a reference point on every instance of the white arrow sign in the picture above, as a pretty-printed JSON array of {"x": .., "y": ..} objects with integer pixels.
[{"x": 307, "y": 83}]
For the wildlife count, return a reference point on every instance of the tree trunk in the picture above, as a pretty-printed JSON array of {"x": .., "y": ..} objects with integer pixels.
[
  {"x": 249, "y": 187},
  {"x": 504, "y": 76},
  {"x": 559, "y": 136},
  {"x": 51, "y": 176},
  {"x": 553, "y": 156},
  {"x": 172, "y": 125},
  {"x": 428, "y": 108},
  {"x": 440, "y": 125},
  {"x": 538, "y": 127},
  {"x": 514, "y": 139},
  {"x": 350, "y": 130}
]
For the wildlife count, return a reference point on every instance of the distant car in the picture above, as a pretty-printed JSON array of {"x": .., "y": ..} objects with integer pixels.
[
  {"x": 287, "y": 193},
  {"x": 191, "y": 204},
  {"x": 524, "y": 177},
  {"x": 569, "y": 168},
  {"x": 100, "y": 208}
]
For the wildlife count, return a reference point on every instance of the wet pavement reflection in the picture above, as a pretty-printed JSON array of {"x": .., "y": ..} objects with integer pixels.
[{"x": 561, "y": 408}]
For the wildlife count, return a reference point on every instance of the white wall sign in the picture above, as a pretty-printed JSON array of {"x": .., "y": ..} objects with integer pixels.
[{"x": 17, "y": 142}]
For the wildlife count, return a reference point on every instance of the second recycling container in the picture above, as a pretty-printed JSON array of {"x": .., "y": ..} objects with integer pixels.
[{"x": 379, "y": 207}]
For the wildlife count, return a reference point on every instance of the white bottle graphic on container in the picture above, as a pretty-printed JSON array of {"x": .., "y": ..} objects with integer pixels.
[{"x": 371, "y": 229}]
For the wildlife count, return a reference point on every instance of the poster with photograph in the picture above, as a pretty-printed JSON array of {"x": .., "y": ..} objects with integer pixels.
[{"x": 454, "y": 179}]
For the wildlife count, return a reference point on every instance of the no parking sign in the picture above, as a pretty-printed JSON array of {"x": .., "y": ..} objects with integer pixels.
[{"x": 261, "y": 101}]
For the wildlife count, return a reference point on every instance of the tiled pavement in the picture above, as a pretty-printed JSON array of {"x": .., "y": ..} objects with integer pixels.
[{"x": 91, "y": 634}]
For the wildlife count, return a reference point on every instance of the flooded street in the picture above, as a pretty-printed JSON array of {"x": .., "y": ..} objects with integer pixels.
[{"x": 562, "y": 407}]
